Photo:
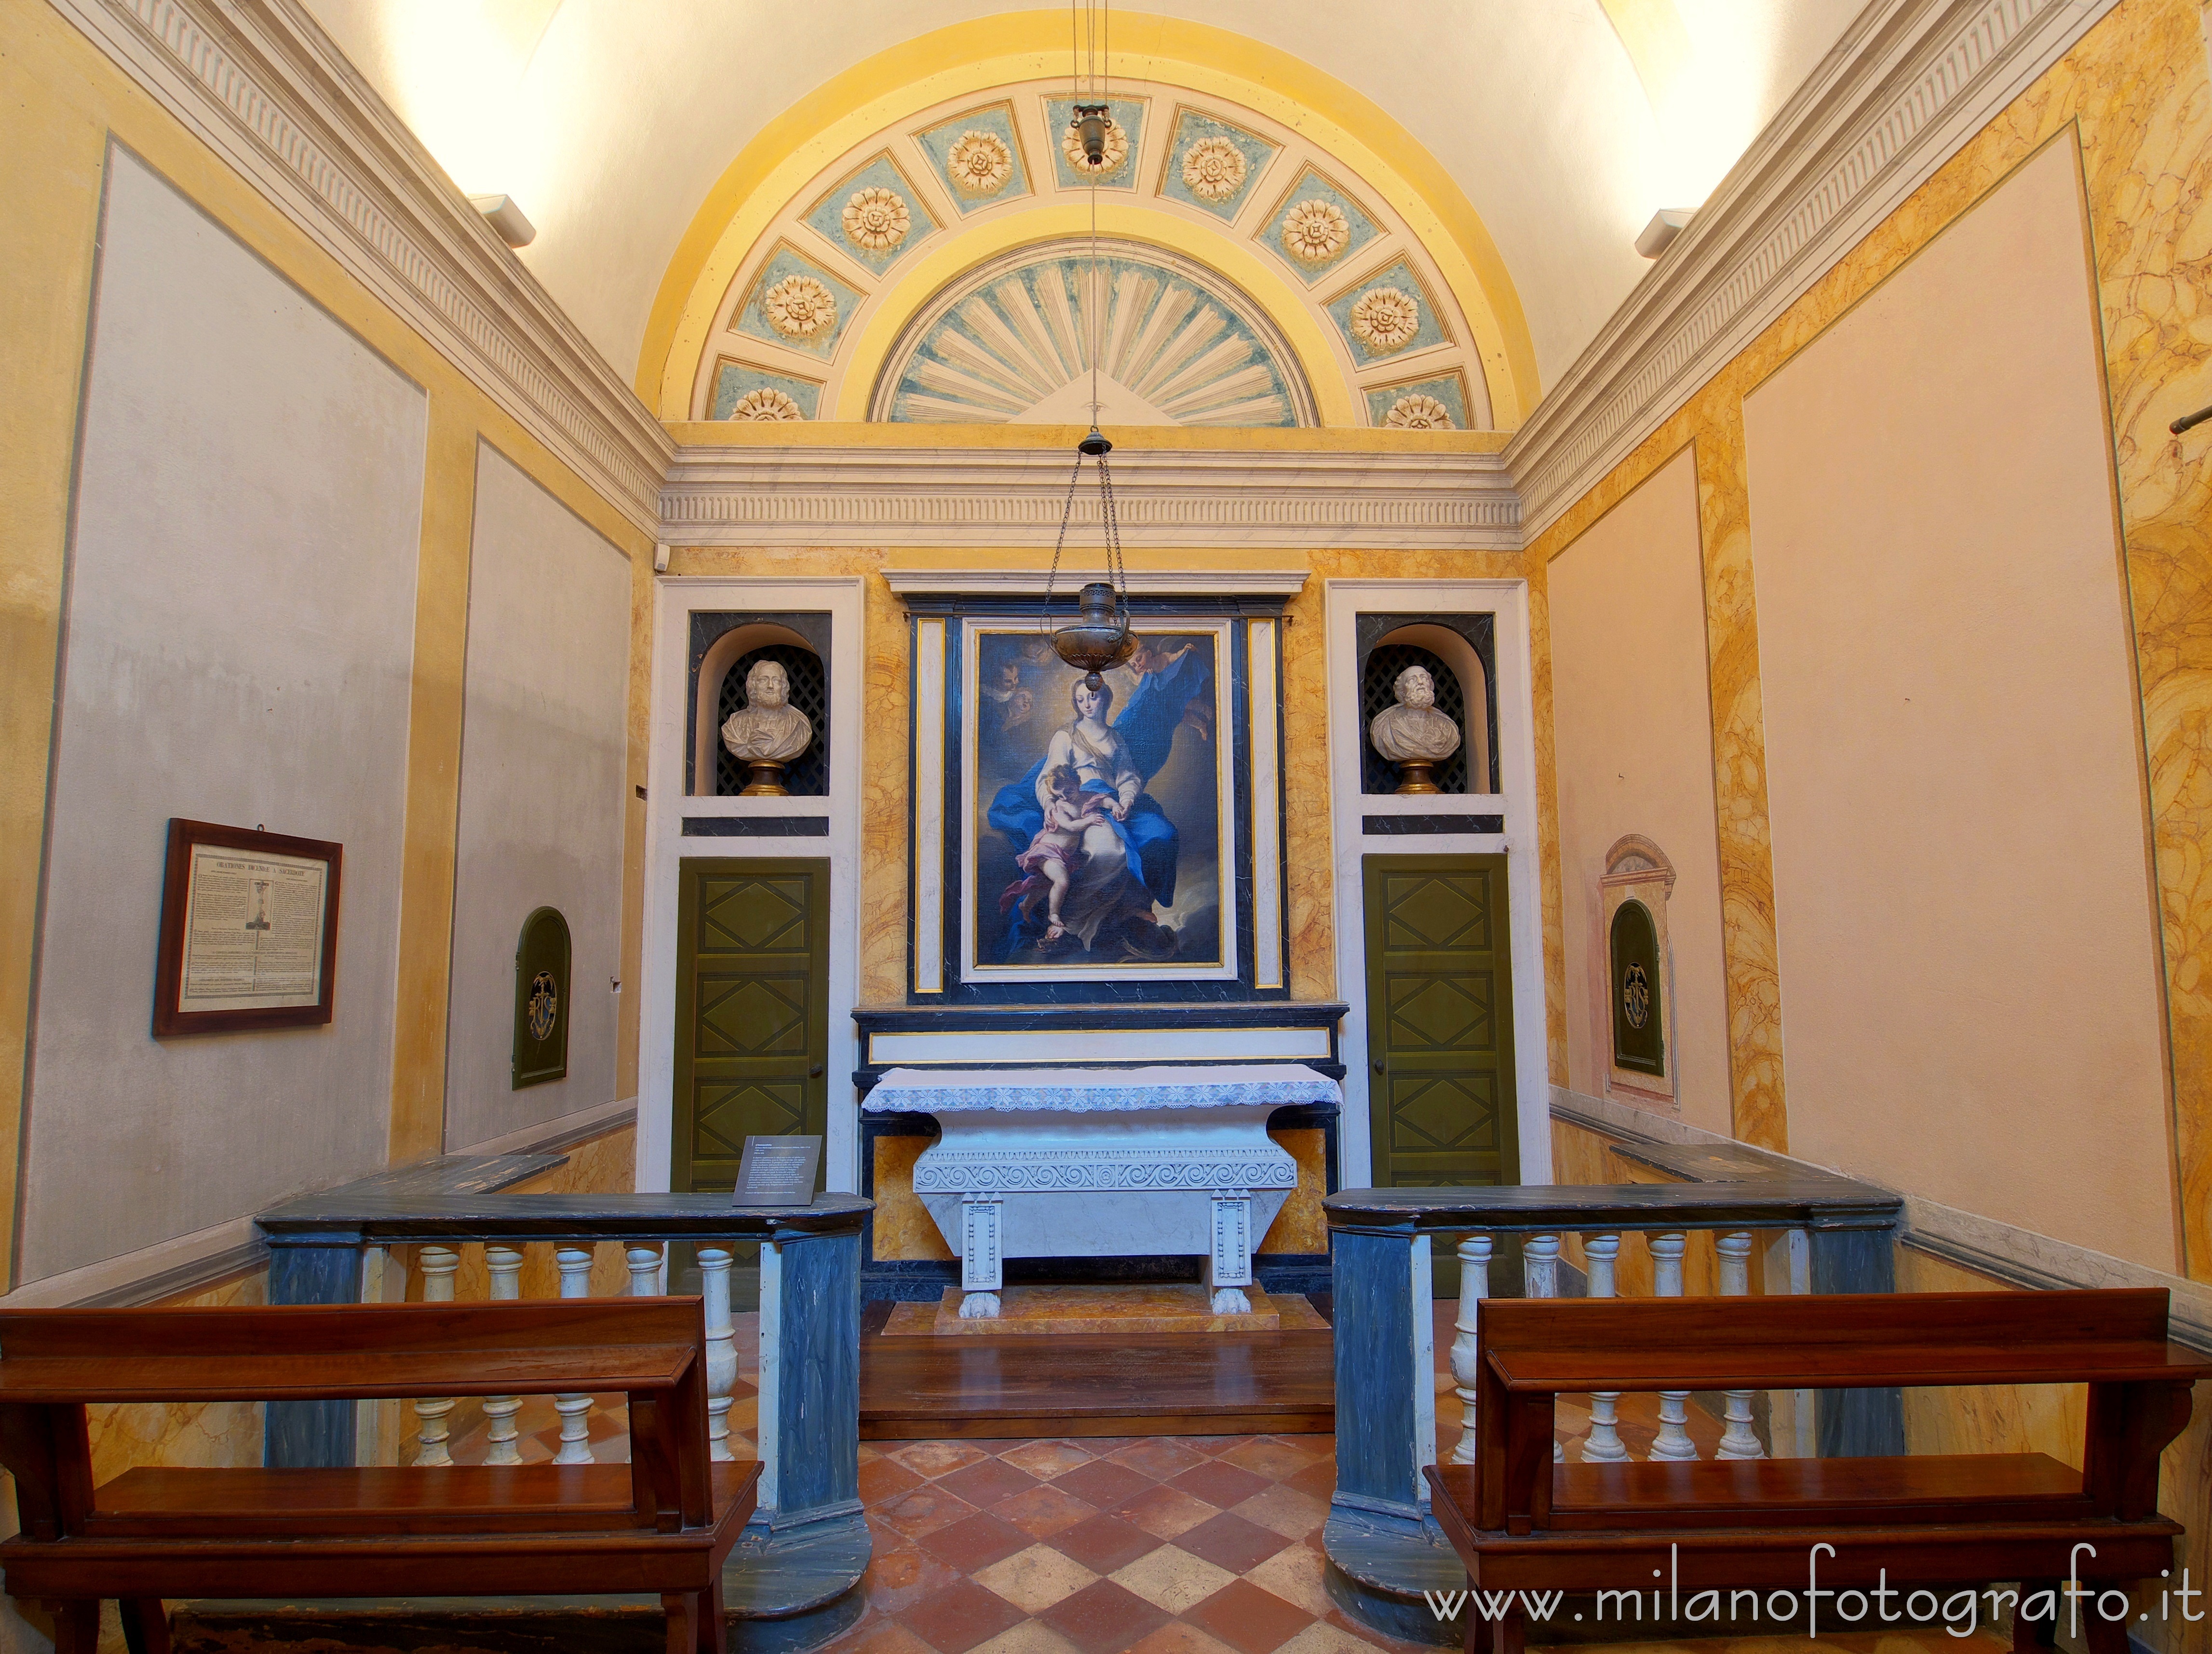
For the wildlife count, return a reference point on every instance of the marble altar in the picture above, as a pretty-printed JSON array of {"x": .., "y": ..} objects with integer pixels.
[{"x": 1045, "y": 1163}]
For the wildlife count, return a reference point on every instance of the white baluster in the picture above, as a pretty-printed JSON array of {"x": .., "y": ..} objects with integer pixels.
[
  {"x": 575, "y": 1266},
  {"x": 500, "y": 1435},
  {"x": 644, "y": 1271},
  {"x": 721, "y": 1349},
  {"x": 1673, "y": 1441},
  {"x": 1474, "y": 1286},
  {"x": 1604, "y": 1445},
  {"x": 432, "y": 1450},
  {"x": 1739, "y": 1440},
  {"x": 1539, "y": 1277}
]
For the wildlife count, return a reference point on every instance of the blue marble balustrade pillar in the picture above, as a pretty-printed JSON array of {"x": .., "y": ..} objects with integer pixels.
[{"x": 1384, "y": 1548}]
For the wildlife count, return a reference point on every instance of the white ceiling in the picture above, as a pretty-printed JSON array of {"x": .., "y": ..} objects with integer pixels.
[{"x": 609, "y": 120}]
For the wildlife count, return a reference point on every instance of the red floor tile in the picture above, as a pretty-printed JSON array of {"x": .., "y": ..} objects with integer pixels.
[
  {"x": 1104, "y": 1543},
  {"x": 1232, "y": 1542},
  {"x": 1219, "y": 1484},
  {"x": 899, "y": 1575},
  {"x": 1272, "y": 1459},
  {"x": 1160, "y": 1457},
  {"x": 1104, "y": 1484},
  {"x": 1044, "y": 1511},
  {"x": 955, "y": 1621},
  {"x": 976, "y": 1542},
  {"x": 925, "y": 1509},
  {"x": 1318, "y": 1478},
  {"x": 984, "y": 1483},
  {"x": 1252, "y": 1620},
  {"x": 882, "y": 1480},
  {"x": 1104, "y": 1618}
]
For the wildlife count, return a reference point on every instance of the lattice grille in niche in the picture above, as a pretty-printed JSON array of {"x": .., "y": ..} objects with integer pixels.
[
  {"x": 1378, "y": 690},
  {"x": 808, "y": 776}
]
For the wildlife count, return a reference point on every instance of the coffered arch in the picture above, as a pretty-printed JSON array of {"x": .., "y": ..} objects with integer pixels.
[{"x": 803, "y": 269}]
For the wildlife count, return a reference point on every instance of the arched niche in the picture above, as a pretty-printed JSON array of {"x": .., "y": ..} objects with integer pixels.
[
  {"x": 1632, "y": 925},
  {"x": 711, "y": 676},
  {"x": 1457, "y": 653}
]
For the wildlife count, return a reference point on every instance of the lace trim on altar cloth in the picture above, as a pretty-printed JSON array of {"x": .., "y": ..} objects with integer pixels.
[{"x": 1059, "y": 1091}]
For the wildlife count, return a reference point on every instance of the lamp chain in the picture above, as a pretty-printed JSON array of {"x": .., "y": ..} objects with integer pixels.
[{"x": 1051, "y": 578}]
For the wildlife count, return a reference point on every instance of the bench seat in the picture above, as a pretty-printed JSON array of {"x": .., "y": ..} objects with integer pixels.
[
  {"x": 454, "y": 1499},
  {"x": 210, "y": 1547}
]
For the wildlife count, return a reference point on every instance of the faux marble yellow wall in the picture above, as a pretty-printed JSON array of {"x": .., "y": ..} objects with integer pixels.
[
  {"x": 2133, "y": 95},
  {"x": 61, "y": 104},
  {"x": 886, "y": 780}
]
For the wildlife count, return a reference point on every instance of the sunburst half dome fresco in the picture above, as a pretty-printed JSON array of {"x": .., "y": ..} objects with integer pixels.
[{"x": 941, "y": 271}]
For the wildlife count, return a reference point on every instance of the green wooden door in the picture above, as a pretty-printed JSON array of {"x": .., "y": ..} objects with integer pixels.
[
  {"x": 1439, "y": 1022},
  {"x": 752, "y": 1022}
]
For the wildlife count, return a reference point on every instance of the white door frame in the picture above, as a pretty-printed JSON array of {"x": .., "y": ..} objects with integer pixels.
[
  {"x": 1345, "y": 600},
  {"x": 666, "y": 847}
]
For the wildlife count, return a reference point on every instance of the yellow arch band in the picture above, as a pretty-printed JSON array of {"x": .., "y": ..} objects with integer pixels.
[{"x": 950, "y": 63}]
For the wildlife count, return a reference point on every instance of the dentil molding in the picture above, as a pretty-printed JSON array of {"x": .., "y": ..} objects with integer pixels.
[
  {"x": 1904, "y": 89},
  {"x": 263, "y": 85},
  {"x": 1907, "y": 86},
  {"x": 922, "y": 497}
]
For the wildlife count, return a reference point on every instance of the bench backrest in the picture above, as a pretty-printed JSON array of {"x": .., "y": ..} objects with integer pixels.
[
  {"x": 302, "y": 1332},
  {"x": 1630, "y": 1327},
  {"x": 52, "y": 1362}
]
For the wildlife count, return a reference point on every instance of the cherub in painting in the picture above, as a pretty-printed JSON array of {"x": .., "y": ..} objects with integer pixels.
[{"x": 1055, "y": 849}]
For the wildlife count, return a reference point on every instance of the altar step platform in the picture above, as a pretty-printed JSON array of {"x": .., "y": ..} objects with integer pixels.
[{"x": 1076, "y": 1361}]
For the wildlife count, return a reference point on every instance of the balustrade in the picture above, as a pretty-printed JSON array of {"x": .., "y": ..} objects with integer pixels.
[
  {"x": 1823, "y": 1234},
  {"x": 810, "y": 1530}
]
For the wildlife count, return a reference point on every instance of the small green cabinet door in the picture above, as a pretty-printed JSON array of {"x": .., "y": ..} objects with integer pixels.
[
  {"x": 752, "y": 1024},
  {"x": 1439, "y": 1022}
]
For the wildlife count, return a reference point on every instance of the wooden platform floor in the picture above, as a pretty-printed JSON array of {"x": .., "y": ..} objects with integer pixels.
[{"x": 917, "y": 1388}]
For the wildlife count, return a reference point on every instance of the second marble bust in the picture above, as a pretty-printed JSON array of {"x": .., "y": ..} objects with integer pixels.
[
  {"x": 768, "y": 732},
  {"x": 1413, "y": 733}
]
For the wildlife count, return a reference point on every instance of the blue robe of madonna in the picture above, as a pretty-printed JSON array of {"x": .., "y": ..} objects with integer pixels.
[{"x": 1147, "y": 725}]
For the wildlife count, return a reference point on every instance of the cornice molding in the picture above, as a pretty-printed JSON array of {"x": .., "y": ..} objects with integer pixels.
[
  {"x": 1905, "y": 88},
  {"x": 771, "y": 497},
  {"x": 1139, "y": 582},
  {"x": 266, "y": 89}
]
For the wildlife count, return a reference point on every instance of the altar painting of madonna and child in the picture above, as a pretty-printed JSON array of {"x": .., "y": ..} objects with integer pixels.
[{"x": 1097, "y": 831}]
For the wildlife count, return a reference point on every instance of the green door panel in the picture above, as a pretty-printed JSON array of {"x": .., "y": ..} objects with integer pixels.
[
  {"x": 1439, "y": 1022},
  {"x": 752, "y": 1024}
]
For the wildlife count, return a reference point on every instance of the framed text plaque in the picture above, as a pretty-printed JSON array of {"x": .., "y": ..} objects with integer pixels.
[
  {"x": 249, "y": 931},
  {"x": 777, "y": 1172}
]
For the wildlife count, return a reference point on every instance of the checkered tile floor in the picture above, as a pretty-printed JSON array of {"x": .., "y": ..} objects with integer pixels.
[
  {"x": 1153, "y": 1545},
  {"x": 1161, "y": 1545}
]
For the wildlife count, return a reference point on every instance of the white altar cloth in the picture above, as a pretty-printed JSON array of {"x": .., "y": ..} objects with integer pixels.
[{"x": 1161, "y": 1161}]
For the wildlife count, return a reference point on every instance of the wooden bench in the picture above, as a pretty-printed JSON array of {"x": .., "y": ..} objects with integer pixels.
[
  {"x": 661, "y": 1524},
  {"x": 1521, "y": 1523}
]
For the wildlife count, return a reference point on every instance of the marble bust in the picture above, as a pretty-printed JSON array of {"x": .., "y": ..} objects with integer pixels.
[
  {"x": 1413, "y": 733},
  {"x": 768, "y": 732}
]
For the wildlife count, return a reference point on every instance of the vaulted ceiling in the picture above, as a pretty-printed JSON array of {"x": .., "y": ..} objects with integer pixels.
[{"x": 1558, "y": 127}]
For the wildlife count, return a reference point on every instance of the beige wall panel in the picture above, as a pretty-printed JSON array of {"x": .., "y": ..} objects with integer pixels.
[
  {"x": 1633, "y": 730},
  {"x": 1969, "y": 969},
  {"x": 242, "y": 602},
  {"x": 544, "y": 776}
]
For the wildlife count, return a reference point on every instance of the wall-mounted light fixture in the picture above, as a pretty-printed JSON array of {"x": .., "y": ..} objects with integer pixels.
[
  {"x": 1659, "y": 234},
  {"x": 500, "y": 212}
]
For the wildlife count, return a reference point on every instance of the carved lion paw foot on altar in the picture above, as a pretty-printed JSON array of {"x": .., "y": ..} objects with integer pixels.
[
  {"x": 1229, "y": 1300},
  {"x": 979, "y": 1306}
]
